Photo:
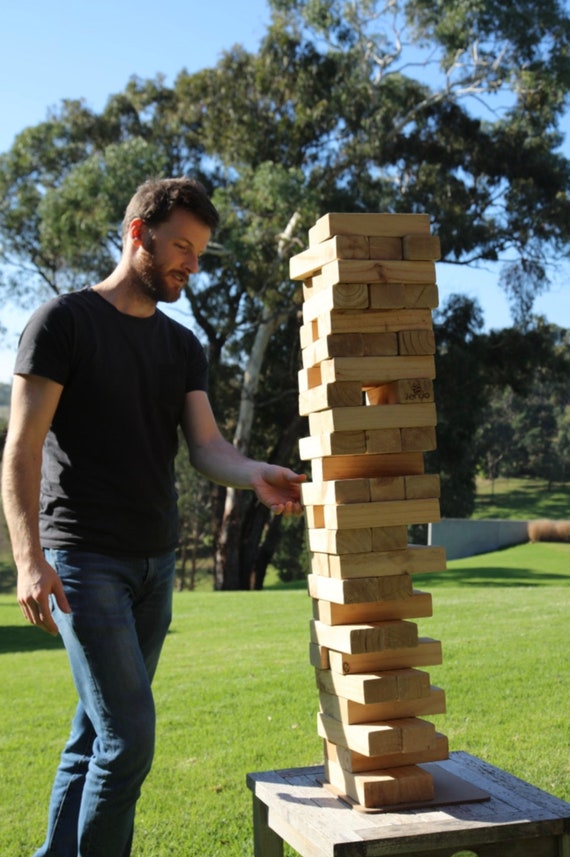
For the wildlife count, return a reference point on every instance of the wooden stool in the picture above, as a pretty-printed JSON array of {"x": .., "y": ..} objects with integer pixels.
[{"x": 505, "y": 817}]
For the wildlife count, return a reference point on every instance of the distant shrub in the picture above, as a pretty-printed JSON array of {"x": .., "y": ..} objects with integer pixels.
[{"x": 549, "y": 531}]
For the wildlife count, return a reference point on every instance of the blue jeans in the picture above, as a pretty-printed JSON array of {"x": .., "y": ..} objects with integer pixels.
[{"x": 121, "y": 611}]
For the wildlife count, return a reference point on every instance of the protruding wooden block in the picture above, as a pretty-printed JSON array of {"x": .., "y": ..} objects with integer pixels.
[
  {"x": 339, "y": 541},
  {"x": 349, "y": 760},
  {"x": 414, "y": 559},
  {"x": 417, "y": 606},
  {"x": 370, "y": 417},
  {"x": 338, "y": 491},
  {"x": 355, "y": 345},
  {"x": 420, "y": 247},
  {"x": 336, "y": 443},
  {"x": 337, "y": 296},
  {"x": 376, "y": 739},
  {"x": 374, "y": 371},
  {"x": 306, "y": 263},
  {"x": 382, "y": 271},
  {"x": 368, "y": 321},
  {"x": 360, "y": 590},
  {"x": 426, "y": 653},
  {"x": 370, "y": 466},
  {"x": 371, "y": 224},
  {"x": 385, "y": 687},
  {"x": 391, "y": 514},
  {"x": 339, "y": 394},
  {"x": 361, "y": 638},
  {"x": 349, "y": 711}
]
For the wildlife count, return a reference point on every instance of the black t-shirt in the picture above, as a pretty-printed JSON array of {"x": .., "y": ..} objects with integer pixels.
[{"x": 108, "y": 462}]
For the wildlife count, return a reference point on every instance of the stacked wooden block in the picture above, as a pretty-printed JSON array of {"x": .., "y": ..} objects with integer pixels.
[{"x": 367, "y": 388}]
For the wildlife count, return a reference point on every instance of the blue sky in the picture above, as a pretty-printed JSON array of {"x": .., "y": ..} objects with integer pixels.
[{"x": 70, "y": 49}]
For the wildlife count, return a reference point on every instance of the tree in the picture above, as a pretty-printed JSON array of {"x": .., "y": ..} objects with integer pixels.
[{"x": 408, "y": 106}]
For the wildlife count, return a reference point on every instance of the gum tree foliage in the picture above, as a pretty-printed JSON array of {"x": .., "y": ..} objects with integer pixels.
[{"x": 450, "y": 108}]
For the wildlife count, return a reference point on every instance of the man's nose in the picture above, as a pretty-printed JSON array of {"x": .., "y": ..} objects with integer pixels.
[{"x": 191, "y": 264}]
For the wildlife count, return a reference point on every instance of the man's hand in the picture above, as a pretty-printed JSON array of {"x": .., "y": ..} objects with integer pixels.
[
  {"x": 35, "y": 585},
  {"x": 279, "y": 489}
]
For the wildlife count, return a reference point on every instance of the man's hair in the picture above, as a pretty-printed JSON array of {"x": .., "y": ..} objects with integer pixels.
[{"x": 155, "y": 200}]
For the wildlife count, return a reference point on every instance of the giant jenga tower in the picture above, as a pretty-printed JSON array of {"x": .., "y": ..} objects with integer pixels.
[{"x": 367, "y": 388}]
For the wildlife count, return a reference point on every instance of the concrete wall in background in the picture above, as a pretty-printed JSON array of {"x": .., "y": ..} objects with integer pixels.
[{"x": 463, "y": 537}]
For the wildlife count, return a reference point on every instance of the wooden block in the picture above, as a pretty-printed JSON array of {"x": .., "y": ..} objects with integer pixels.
[
  {"x": 416, "y": 342},
  {"x": 338, "y": 247},
  {"x": 319, "y": 656},
  {"x": 355, "y": 762},
  {"x": 339, "y": 541},
  {"x": 386, "y": 788},
  {"x": 402, "y": 296},
  {"x": 390, "y": 514},
  {"x": 370, "y": 466},
  {"x": 309, "y": 378},
  {"x": 315, "y": 517},
  {"x": 417, "y": 606},
  {"x": 414, "y": 559},
  {"x": 420, "y": 247},
  {"x": 309, "y": 333},
  {"x": 385, "y": 687},
  {"x": 371, "y": 224},
  {"x": 338, "y": 296},
  {"x": 336, "y": 443},
  {"x": 385, "y": 247},
  {"x": 420, "y": 439},
  {"x": 422, "y": 487},
  {"x": 341, "y": 394},
  {"x": 375, "y": 739},
  {"x": 359, "y": 590},
  {"x": 349, "y": 711},
  {"x": 380, "y": 688},
  {"x": 389, "y": 538},
  {"x": 386, "y": 440},
  {"x": 426, "y": 653},
  {"x": 362, "y": 638},
  {"x": 406, "y": 391},
  {"x": 338, "y": 491},
  {"x": 382, "y": 271},
  {"x": 369, "y": 321},
  {"x": 353, "y": 345},
  {"x": 373, "y": 371},
  {"x": 368, "y": 417}
]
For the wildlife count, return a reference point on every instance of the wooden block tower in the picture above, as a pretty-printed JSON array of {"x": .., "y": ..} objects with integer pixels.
[{"x": 367, "y": 388}]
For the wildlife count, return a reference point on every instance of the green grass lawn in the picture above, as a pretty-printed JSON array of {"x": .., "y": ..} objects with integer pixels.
[
  {"x": 524, "y": 499},
  {"x": 235, "y": 694}
]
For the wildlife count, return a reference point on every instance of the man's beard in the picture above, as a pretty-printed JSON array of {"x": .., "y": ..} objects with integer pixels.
[{"x": 152, "y": 277}]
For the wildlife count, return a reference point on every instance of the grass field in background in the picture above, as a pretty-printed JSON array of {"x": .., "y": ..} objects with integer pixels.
[
  {"x": 235, "y": 694},
  {"x": 525, "y": 499}
]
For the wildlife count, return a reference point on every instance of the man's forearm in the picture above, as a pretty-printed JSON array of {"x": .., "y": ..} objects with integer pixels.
[{"x": 20, "y": 498}]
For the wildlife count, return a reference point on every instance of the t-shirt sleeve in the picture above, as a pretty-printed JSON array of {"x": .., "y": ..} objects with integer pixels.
[
  {"x": 45, "y": 345},
  {"x": 196, "y": 367}
]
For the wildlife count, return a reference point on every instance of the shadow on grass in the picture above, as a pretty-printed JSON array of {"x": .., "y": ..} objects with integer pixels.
[
  {"x": 16, "y": 638},
  {"x": 526, "y": 502},
  {"x": 498, "y": 576}
]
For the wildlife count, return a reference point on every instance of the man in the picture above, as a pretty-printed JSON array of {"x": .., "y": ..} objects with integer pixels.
[{"x": 102, "y": 381}]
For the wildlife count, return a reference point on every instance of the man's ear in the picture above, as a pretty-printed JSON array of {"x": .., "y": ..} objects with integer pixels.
[{"x": 136, "y": 231}]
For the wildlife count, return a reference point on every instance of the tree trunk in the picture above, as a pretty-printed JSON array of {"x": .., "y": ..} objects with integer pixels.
[{"x": 227, "y": 565}]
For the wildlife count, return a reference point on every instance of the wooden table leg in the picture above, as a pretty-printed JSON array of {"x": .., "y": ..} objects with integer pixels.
[{"x": 266, "y": 843}]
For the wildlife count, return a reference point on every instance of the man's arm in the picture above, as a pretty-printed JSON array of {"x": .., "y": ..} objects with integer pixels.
[
  {"x": 216, "y": 458},
  {"x": 34, "y": 402}
]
